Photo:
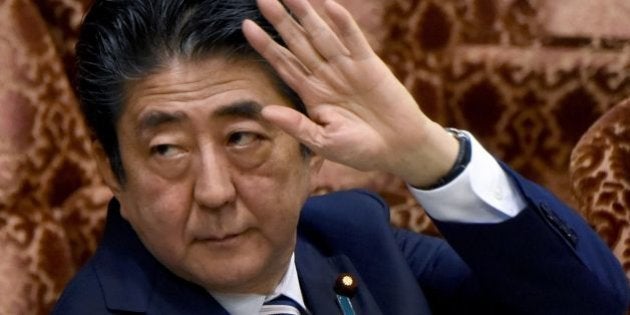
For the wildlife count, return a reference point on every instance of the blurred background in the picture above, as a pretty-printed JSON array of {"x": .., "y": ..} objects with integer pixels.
[{"x": 527, "y": 77}]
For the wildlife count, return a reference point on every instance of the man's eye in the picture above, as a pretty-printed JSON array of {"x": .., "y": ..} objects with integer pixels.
[
  {"x": 165, "y": 150},
  {"x": 242, "y": 138}
]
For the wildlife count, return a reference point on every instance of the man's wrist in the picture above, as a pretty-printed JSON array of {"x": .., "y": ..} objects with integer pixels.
[{"x": 461, "y": 162}]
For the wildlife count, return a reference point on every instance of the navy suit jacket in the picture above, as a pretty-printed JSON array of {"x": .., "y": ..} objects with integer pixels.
[{"x": 544, "y": 261}]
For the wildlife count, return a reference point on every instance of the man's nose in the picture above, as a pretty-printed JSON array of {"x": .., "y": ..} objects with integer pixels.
[{"x": 214, "y": 187}]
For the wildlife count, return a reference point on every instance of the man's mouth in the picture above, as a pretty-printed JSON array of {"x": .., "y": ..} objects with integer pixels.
[
  {"x": 222, "y": 239},
  {"x": 225, "y": 237}
]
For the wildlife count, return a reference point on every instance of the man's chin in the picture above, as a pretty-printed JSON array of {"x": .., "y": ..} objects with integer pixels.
[{"x": 247, "y": 275}]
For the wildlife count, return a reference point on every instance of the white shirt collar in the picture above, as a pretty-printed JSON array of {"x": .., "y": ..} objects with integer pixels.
[{"x": 247, "y": 304}]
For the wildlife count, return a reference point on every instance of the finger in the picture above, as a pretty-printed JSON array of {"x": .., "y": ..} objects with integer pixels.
[
  {"x": 349, "y": 32},
  {"x": 291, "y": 32},
  {"x": 295, "y": 124},
  {"x": 281, "y": 59},
  {"x": 317, "y": 29}
]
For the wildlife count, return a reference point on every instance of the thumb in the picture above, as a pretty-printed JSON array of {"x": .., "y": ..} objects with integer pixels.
[{"x": 295, "y": 124}]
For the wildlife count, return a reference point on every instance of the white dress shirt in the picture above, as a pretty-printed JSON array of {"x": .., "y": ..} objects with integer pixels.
[
  {"x": 249, "y": 304},
  {"x": 482, "y": 193}
]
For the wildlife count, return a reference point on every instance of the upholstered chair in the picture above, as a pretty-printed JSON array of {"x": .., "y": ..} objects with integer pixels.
[
  {"x": 505, "y": 69},
  {"x": 600, "y": 174}
]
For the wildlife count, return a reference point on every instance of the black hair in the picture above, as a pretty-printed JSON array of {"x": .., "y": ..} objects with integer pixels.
[{"x": 126, "y": 40}]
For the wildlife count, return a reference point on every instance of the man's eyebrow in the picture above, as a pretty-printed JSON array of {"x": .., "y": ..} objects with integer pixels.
[
  {"x": 245, "y": 109},
  {"x": 154, "y": 119}
]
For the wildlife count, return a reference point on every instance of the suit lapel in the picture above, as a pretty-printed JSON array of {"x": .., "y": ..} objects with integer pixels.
[
  {"x": 318, "y": 274},
  {"x": 133, "y": 281},
  {"x": 172, "y": 295}
]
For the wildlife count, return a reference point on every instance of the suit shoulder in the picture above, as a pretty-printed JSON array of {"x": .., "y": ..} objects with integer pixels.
[
  {"x": 345, "y": 217},
  {"x": 82, "y": 294},
  {"x": 348, "y": 203}
]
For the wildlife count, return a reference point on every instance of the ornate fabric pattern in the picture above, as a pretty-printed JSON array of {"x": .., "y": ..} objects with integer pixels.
[
  {"x": 492, "y": 67},
  {"x": 600, "y": 173},
  {"x": 50, "y": 198},
  {"x": 489, "y": 66}
]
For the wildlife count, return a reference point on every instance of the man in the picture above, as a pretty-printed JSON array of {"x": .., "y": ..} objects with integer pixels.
[{"x": 200, "y": 117}]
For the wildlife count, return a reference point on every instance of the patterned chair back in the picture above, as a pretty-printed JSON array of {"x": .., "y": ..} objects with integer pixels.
[
  {"x": 484, "y": 65},
  {"x": 600, "y": 174}
]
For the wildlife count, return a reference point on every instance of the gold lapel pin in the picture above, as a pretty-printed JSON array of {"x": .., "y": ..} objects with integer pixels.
[{"x": 346, "y": 287}]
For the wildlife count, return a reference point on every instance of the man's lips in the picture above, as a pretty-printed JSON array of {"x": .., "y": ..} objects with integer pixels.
[{"x": 221, "y": 237}]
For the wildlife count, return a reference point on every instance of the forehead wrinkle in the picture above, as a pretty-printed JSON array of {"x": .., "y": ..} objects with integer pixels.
[
  {"x": 190, "y": 81},
  {"x": 182, "y": 82},
  {"x": 197, "y": 90}
]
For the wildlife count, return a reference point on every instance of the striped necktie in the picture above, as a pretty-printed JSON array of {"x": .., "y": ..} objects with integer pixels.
[{"x": 281, "y": 305}]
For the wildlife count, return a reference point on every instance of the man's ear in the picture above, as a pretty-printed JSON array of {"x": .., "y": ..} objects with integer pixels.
[{"x": 105, "y": 168}]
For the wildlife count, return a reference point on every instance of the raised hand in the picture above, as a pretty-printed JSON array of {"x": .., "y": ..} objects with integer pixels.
[{"x": 359, "y": 113}]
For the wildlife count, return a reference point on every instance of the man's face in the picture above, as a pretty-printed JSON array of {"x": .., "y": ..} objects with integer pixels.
[{"x": 213, "y": 191}]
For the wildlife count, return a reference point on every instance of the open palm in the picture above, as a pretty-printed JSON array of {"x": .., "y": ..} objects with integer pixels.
[{"x": 359, "y": 113}]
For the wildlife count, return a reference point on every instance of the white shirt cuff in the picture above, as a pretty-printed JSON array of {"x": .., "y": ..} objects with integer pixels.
[{"x": 482, "y": 193}]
